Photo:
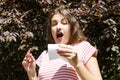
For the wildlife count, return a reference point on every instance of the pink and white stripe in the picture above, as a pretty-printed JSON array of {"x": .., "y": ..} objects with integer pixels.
[{"x": 58, "y": 69}]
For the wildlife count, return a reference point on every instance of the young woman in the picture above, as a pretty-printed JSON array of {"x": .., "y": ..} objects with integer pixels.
[{"x": 82, "y": 64}]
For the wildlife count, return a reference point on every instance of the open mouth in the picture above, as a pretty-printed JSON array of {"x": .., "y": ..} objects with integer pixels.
[{"x": 59, "y": 35}]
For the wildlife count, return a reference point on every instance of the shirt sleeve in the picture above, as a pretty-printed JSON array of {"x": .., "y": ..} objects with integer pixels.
[
  {"x": 39, "y": 59},
  {"x": 86, "y": 51}
]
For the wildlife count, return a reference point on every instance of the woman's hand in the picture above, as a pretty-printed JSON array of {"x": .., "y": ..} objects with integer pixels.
[
  {"x": 29, "y": 64},
  {"x": 68, "y": 52}
]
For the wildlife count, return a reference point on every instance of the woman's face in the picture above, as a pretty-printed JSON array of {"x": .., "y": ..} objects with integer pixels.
[{"x": 60, "y": 29}]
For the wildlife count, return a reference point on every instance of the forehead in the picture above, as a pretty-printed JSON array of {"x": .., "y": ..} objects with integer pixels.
[{"x": 57, "y": 16}]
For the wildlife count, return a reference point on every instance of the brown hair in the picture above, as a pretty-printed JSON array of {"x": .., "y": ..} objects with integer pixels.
[{"x": 76, "y": 33}]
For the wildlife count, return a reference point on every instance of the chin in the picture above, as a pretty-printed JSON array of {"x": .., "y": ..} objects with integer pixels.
[{"x": 61, "y": 42}]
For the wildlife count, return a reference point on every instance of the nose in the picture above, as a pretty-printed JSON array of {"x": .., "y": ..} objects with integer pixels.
[{"x": 59, "y": 26}]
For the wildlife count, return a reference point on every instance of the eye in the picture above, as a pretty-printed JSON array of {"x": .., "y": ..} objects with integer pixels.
[
  {"x": 54, "y": 22},
  {"x": 64, "y": 21}
]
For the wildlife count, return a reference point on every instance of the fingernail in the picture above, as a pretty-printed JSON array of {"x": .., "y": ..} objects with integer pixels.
[{"x": 57, "y": 49}]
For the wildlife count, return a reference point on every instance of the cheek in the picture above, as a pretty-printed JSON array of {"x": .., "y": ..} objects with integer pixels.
[
  {"x": 53, "y": 31},
  {"x": 69, "y": 32}
]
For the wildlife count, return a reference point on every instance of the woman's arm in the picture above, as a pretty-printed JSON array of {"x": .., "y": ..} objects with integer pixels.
[
  {"x": 30, "y": 66},
  {"x": 32, "y": 77},
  {"x": 90, "y": 72}
]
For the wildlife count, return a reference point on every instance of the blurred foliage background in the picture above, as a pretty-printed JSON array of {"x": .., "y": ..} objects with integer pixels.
[{"x": 23, "y": 25}]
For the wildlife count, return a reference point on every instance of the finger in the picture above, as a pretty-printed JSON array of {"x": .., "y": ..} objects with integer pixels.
[
  {"x": 70, "y": 56},
  {"x": 65, "y": 50},
  {"x": 30, "y": 58},
  {"x": 28, "y": 52},
  {"x": 24, "y": 63},
  {"x": 26, "y": 60},
  {"x": 65, "y": 54},
  {"x": 65, "y": 46}
]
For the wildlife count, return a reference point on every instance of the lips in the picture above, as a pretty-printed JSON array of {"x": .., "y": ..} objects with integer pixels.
[{"x": 59, "y": 36}]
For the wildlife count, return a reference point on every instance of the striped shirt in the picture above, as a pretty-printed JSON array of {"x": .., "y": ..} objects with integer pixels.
[{"x": 58, "y": 69}]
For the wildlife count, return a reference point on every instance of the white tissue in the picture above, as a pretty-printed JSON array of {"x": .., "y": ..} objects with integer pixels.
[{"x": 52, "y": 51}]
